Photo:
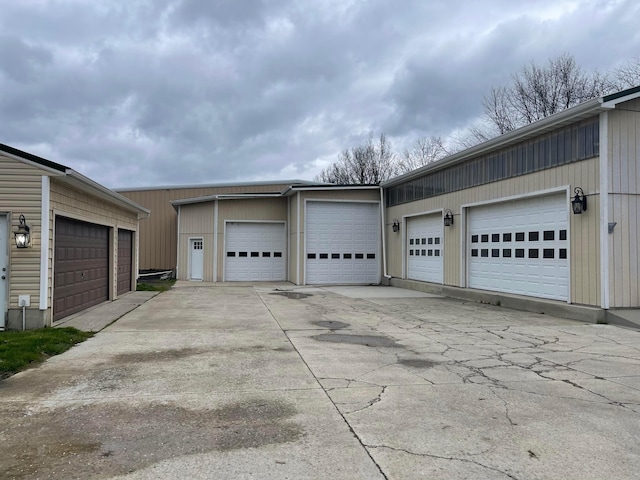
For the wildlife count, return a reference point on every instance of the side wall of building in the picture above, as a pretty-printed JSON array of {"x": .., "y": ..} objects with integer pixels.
[
  {"x": 584, "y": 229},
  {"x": 623, "y": 185}
]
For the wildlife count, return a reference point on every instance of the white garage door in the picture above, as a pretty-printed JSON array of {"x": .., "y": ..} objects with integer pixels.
[
  {"x": 521, "y": 247},
  {"x": 342, "y": 243},
  {"x": 425, "y": 248},
  {"x": 255, "y": 252}
]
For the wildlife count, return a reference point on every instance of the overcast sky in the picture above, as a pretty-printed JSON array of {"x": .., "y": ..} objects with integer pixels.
[{"x": 161, "y": 92}]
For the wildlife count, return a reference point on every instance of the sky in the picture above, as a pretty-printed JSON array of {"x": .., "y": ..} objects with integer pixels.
[{"x": 171, "y": 92}]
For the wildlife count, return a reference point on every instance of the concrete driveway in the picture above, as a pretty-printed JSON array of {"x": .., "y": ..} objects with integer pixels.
[{"x": 234, "y": 381}]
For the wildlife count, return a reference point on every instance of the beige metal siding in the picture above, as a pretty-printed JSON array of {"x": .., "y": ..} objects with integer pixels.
[
  {"x": 584, "y": 229},
  {"x": 68, "y": 201},
  {"x": 624, "y": 205},
  {"x": 196, "y": 221},
  {"x": 21, "y": 193},
  {"x": 159, "y": 233}
]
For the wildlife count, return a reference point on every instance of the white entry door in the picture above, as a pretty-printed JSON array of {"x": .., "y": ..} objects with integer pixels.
[
  {"x": 4, "y": 269},
  {"x": 255, "y": 252},
  {"x": 521, "y": 247},
  {"x": 425, "y": 248},
  {"x": 196, "y": 259},
  {"x": 342, "y": 243}
]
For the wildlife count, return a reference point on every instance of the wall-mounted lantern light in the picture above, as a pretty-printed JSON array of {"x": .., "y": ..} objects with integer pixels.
[
  {"x": 396, "y": 225},
  {"x": 448, "y": 218},
  {"x": 22, "y": 235},
  {"x": 579, "y": 202}
]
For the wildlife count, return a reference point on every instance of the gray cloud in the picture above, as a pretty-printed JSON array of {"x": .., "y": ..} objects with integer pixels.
[{"x": 187, "y": 91}]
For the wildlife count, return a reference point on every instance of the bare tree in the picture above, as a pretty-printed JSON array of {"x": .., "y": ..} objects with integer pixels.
[
  {"x": 626, "y": 76},
  {"x": 425, "y": 150},
  {"x": 370, "y": 163},
  {"x": 539, "y": 91}
]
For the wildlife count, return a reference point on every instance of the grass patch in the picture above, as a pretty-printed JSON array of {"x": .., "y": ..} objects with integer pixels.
[
  {"x": 18, "y": 350},
  {"x": 155, "y": 286}
]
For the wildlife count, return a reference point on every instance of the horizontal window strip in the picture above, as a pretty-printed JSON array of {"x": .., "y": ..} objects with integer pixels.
[{"x": 569, "y": 144}]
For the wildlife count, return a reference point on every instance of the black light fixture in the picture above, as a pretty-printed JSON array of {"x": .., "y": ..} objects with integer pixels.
[
  {"x": 579, "y": 202},
  {"x": 396, "y": 225},
  {"x": 22, "y": 235},
  {"x": 448, "y": 218}
]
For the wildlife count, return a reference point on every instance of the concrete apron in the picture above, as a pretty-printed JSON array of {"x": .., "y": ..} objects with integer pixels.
[{"x": 342, "y": 383}]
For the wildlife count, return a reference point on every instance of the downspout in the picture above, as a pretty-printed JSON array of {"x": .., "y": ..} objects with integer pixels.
[
  {"x": 215, "y": 240},
  {"x": 604, "y": 210},
  {"x": 384, "y": 235},
  {"x": 298, "y": 241},
  {"x": 178, "y": 245}
]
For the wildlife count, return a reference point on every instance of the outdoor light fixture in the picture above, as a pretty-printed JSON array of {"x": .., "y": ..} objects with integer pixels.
[
  {"x": 396, "y": 225},
  {"x": 448, "y": 218},
  {"x": 579, "y": 202},
  {"x": 22, "y": 235}
]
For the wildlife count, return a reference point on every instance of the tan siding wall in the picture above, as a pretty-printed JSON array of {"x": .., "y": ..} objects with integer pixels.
[
  {"x": 584, "y": 229},
  {"x": 624, "y": 205},
  {"x": 158, "y": 233},
  {"x": 68, "y": 201},
  {"x": 196, "y": 221},
  {"x": 21, "y": 193}
]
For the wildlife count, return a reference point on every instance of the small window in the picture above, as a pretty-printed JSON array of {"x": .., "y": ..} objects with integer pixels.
[
  {"x": 495, "y": 252},
  {"x": 534, "y": 236},
  {"x": 506, "y": 252},
  {"x": 484, "y": 252},
  {"x": 255, "y": 254},
  {"x": 533, "y": 253},
  {"x": 562, "y": 253},
  {"x": 311, "y": 255},
  {"x": 359, "y": 256},
  {"x": 474, "y": 252},
  {"x": 549, "y": 235},
  {"x": 266, "y": 254},
  {"x": 495, "y": 237},
  {"x": 277, "y": 254},
  {"x": 430, "y": 241},
  {"x": 430, "y": 253},
  {"x": 324, "y": 256},
  {"x": 424, "y": 241},
  {"x": 335, "y": 255},
  {"x": 231, "y": 254},
  {"x": 348, "y": 255},
  {"x": 371, "y": 255},
  {"x": 436, "y": 253},
  {"x": 519, "y": 252},
  {"x": 411, "y": 252},
  {"x": 506, "y": 237},
  {"x": 424, "y": 253},
  {"x": 474, "y": 238},
  {"x": 548, "y": 253},
  {"x": 243, "y": 254},
  {"x": 485, "y": 238},
  {"x": 417, "y": 253},
  {"x": 563, "y": 235},
  {"x": 519, "y": 236},
  {"x": 411, "y": 241},
  {"x": 436, "y": 240}
]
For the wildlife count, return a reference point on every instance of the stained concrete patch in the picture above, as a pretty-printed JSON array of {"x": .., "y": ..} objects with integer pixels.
[
  {"x": 293, "y": 295},
  {"x": 85, "y": 442},
  {"x": 417, "y": 363},
  {"x": 331, "y": 325},
  {"x": 366, "y": 340},
  {"x": 157, "y": 356}
]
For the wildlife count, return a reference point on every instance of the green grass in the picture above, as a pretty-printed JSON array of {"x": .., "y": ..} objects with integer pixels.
[
  {"x": 155, "y": 286},
  {"x": 18, "y": 350}
]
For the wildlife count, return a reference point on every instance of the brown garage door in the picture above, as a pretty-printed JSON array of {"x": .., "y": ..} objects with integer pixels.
[
  {"x": 81, "y": 266},
  {"x": 125, "y": 257}
]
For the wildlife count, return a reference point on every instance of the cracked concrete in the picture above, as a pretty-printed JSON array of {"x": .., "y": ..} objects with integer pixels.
[{"x": 232, "y": 381}]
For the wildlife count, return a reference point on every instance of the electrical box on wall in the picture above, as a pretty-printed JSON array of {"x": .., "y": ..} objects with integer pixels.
[{"x": 24, "y": 300}]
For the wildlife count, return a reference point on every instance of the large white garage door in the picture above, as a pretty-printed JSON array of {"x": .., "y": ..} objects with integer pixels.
[
  {"x": 521, "y": 247},
  {"x": 342, "y": 243},
  {"x": 255, "y": 252},
  {"x": 425, "y": 248}
]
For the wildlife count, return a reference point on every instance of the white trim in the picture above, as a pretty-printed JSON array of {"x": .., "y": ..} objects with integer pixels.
[
  {"x": 463, "y": 246},
  {"x": 383, "y": 232},
  {"x": 612, "y": 103},
  {"x": 341, "y": 187},
  {"x": 538, "y": 193},
  {"x": 178, "y": 251},
  {"x": 44, "y": 242},
  {"x": 215, "y": 241},
  {"x": 604, "y": 209},
  {"x": 288, "y": 239},
  {"x": 189, "y": 240},
  {"x": 299, "y": 242},
  {"x": 338, "y": 200},
  {"x": 569, "y": 214}
]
